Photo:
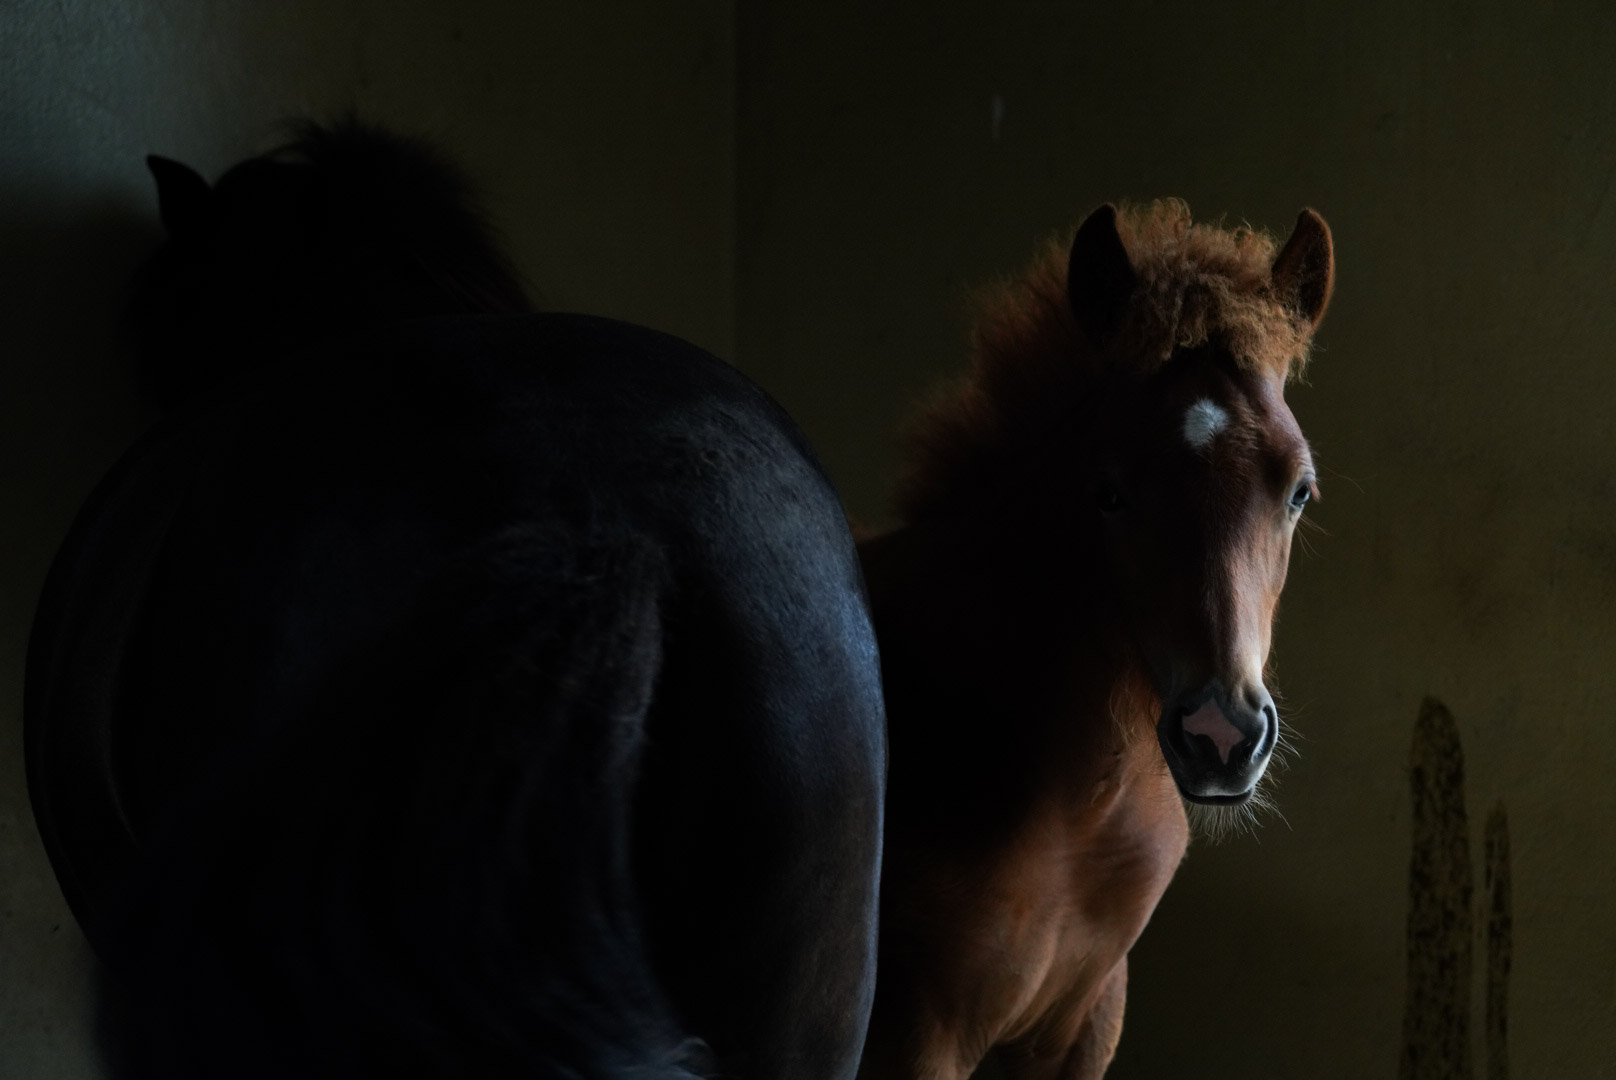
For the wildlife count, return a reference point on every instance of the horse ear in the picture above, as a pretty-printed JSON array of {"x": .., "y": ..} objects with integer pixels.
[
  {"x": 1304, "y": 272},
  {"x": 182, "y": 195},
  {"x": 1099, "y": 275}
]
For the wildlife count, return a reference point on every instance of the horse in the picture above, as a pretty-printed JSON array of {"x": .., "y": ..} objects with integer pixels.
[
  {"x": 446, "y": 689},
  {"x": 1075, "y": 613}
]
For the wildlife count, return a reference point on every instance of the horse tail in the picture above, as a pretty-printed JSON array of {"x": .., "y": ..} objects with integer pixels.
[{"x": 429, "y": 873}]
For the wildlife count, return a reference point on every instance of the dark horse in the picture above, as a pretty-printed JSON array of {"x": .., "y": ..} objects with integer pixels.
[
  {"x": 470, "y": 695},
  {"x": 1074, "y": 621}
]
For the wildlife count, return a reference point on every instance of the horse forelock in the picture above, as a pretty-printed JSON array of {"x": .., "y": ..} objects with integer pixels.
[
  {"x": 1200, "y": 283},
  {"x": 1031, "y": 364},
  {"x": 1195, "y": 283}
]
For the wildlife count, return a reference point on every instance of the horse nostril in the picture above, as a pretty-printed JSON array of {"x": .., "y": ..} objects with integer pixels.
[
  {"x": 1270, "y": 734},
  {"x": 1209, "y": 721}
]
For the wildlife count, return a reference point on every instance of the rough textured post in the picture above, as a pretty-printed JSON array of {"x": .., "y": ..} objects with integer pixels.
[
  {"x": 1436, "y": 1018},
  {"x": 1499, "y": 930}
]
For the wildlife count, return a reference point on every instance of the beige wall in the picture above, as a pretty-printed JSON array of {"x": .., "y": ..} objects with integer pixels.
[
  {"x": 1462, "y": 406},
  {"x": 823, "y": 223},
  {"x": 602, "y": 133}
]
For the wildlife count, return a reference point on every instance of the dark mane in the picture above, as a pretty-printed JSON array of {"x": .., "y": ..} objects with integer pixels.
[
  {"x": 394, "y": 196},
  {"x": 1032, "y": 366},
  {"x": 345, "y": 227}
]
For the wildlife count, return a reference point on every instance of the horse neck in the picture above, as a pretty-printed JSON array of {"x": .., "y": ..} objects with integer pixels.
[
  {"x": 997, "y": 632},
  {"x": 1007, "y": 699}
]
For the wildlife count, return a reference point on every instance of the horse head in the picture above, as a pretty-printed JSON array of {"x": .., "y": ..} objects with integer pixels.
[
  {"x": 345, "y": 228},
  {"x": 1200, "y": 473}
]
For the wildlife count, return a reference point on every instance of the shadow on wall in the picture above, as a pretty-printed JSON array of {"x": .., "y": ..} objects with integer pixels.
[{"x": 1441, "y": 915}]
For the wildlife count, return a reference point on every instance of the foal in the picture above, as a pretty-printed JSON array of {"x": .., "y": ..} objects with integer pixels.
[{"x": 1074, "y": 619}]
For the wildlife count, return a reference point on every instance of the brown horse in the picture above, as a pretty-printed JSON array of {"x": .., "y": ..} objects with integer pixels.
[{"x": 1096, "y": 528}]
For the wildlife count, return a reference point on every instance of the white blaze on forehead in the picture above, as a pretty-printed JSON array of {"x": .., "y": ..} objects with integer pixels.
[{"x": 1204, "y": 420}]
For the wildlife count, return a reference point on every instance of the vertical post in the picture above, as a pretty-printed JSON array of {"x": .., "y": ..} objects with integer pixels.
[
  {"x": 1500, "y": 929},
  {"x": 1436, "y": 1017}
]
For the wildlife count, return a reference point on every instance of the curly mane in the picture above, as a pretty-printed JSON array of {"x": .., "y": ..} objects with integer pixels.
[{"x": 1032, "y": 366}]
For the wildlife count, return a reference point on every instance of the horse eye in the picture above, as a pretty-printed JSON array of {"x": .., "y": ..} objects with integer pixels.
[
  {"x": 1109, "y": 498},
  {"x": 1303, "y": 492}
]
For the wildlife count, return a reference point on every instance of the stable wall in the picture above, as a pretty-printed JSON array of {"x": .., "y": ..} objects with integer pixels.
[{"x": 1460, "y": 404}]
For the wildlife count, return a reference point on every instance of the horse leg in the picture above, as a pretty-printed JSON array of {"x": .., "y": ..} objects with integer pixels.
[
  {"x": 759, "y": 831},
  {"x": 1087, "y": 1055},
  {"x": 1096, "y": 1043},
  {"x": 917, "y": 1049},
  {"x": 762, "y": 926}
]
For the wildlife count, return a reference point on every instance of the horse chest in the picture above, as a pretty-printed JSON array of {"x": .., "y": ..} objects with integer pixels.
[{"x": 1061, "y": 914}]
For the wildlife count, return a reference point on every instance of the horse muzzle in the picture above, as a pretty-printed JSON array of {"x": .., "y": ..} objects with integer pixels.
[{"x": 1217, "y": 744}]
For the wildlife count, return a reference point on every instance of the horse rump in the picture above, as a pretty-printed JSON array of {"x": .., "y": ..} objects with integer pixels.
[{"x": 426, "y": 873}]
